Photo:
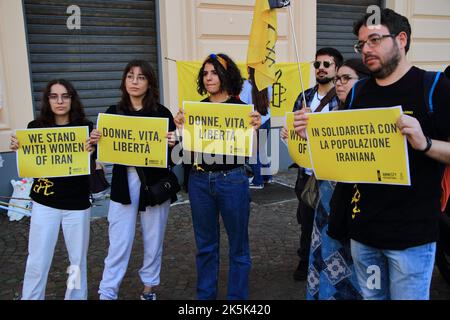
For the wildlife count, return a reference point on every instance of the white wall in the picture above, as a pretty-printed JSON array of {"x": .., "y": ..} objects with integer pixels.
[
  {"x": 17, "y": 109},
  {"x": 192, "y": 29},
  {"x": 430, "y": 22}
]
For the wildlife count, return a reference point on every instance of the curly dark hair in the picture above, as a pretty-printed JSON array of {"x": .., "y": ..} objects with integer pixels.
[
  {"x": 76, "y": 113},
  {"x": 358, "y": 66},
  {"x": 151, "y": 96},
  {"x": 395, "y": 22},
  {"x": 229, "y": 75}
]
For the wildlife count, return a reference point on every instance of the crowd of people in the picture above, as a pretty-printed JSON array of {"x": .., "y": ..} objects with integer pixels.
[{"x": 395, "y": 228}]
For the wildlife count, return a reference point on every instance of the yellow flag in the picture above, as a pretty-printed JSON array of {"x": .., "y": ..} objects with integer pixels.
[
  {"x": 286, "y": 86},
  {"x": 261, "y": 48}
]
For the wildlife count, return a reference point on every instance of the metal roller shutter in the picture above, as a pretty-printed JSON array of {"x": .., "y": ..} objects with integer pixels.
[
  {"x": 112, "y": 33},
  {"x": 335, "y": 23}
]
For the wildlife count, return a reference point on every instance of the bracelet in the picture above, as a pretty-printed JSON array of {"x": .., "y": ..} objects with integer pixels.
[{"x": 429, "y": 143}]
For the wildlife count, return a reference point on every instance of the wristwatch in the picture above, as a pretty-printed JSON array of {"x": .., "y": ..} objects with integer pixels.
[{"x": 429, "y": 143}]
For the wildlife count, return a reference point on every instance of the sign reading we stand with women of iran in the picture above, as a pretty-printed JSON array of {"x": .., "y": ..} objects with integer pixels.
[
  {"x": 359, "y": 146},
  {"x": 133, "y": 141},
  {"x": 53, "y": 152},
  {"x": 218, "y": 128}
]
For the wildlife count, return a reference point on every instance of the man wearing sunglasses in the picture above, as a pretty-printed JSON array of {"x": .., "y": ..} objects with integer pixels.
[
  {"x": 393, "y": 235},
  {"x": 321, "y": 97}
]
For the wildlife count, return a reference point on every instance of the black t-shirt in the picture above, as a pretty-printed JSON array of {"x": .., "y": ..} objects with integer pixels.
[
  {"x": 65, "y": 193},
  {"x": 214, "y": 162},
  {"x": 400, "y": 217}
]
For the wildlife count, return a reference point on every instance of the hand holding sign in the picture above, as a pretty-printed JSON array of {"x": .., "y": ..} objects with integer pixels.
[
  {"x": 95, "y": 137},
  {"x": 301, "y": 122},
  {"x": 171, "y": 138},
  {"x": 14, "y": 143},
  {"x": 179, "y": 119},
  {"x": 255, "y": 120},
  {"x": 410, "y": 127}
]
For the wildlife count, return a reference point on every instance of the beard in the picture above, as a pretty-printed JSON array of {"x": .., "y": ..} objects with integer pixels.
[
  {"x": 325, "y": 80},
  {"x": 388, "y": 67}
]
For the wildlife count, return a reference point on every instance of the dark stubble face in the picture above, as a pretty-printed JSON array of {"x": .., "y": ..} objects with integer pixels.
[
  {"x": 324, "y": 80},
  {"x": 389, "y": 64}
]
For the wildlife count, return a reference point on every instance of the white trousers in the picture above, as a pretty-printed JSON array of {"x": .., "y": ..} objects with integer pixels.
[
  {"x": 122, "y": 226},
  {"x": 44, "y": 230}
]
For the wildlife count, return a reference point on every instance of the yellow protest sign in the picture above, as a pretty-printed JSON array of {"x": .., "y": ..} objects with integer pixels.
[
  {"x": 285, "y": 89},
  {"x": 53, "y": 152},
  {"x": 361, "y": 146},
  {"x": 218, "y": 128},
  {"x": 133, "y": 141},
  {"x": 297, "y": 146}
]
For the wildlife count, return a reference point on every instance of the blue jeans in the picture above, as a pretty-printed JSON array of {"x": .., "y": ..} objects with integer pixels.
[
  {"x": 261, "y": 152},
  {"x": 227, "y": 193},
  {"x": 394, "y": 274}
]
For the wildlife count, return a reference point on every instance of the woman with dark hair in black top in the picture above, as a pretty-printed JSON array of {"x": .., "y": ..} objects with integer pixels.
[
  {"x": 139, "y": 99},
  {"x": 220, "y": 187},
  {"x": 58, "y": 201}
]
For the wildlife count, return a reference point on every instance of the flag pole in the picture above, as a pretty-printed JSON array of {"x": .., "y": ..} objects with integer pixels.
[{"x": 298, "y": 56}]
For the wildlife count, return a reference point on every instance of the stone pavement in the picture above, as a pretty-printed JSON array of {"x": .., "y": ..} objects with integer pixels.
[{"x": 273, "y": 233}]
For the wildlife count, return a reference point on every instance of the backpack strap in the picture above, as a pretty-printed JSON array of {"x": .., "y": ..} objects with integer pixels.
[
  {"x": 355, "y": 90},
  {"x": 430, "y": 81}
]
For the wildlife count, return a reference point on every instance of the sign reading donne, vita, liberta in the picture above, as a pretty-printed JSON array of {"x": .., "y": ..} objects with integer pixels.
[
  {"x": 218, "y": 128},
  {"x": 133, "y": 141}
]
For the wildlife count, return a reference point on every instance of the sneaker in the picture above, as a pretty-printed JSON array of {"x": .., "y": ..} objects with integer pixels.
[
  {"x": 256, "y": 186},
  {"x": 301, "y": 272},
  {"x": 148, "y": 296},
  {"x": 269, "y": 181}
]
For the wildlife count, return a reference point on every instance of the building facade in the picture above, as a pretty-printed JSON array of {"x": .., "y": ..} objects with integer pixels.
[{"x": 89, "y": 43}]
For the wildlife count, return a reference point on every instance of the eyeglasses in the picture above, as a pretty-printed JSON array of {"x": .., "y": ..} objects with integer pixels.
[
  {"x": 373, "y": 41},
  {"x": 140, "y": 78},
  {"x": 55, "y": 97},
  {"x": 326, "y": 64},
  {"x": 344, "y": 79}
]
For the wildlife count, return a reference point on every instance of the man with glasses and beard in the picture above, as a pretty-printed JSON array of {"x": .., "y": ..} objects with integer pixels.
[
  {"x": 321, "y": 98},
  {"x": 393, "y": 235}
]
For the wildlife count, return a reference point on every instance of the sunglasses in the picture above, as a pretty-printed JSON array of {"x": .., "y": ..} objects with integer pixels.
[{"x": 326, "y": 64}]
